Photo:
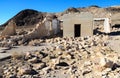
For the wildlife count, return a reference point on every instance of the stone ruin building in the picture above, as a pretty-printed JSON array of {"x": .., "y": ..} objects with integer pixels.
[
  {"x": 74, "y": 25},
  {"x": 105, "y": 21},
  {"x": 49, "y": 26},
  {"x": 106, "y": 24}
]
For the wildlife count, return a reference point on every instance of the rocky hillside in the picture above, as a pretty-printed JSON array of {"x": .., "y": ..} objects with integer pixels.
[
  {"x": 30, "y": 17},
  {"x": 26, "y": 17},
  {"x": 96, "y": 10}
]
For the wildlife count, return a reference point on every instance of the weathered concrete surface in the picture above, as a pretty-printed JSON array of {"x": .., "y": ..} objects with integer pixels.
[
  {"x": 106, "y": 24},
  {"x": 19, "y": 49},
  {"x": 38, "y": 32},
  {"x": 55, "y": 26},
  {"x": 44, "y": 28},
  {"x": 85, "y": 19}
]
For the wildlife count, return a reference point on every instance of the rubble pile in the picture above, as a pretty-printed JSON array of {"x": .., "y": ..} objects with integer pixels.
[{"x": 81, "y": 57}]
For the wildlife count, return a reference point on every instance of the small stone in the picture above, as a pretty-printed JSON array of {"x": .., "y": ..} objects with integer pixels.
[
  {"x": 6, "y": 48},
  {"x": 5, "y": 71},
  {"x": 117, "y": 75},
  {"x": 107, "y": 70},
  {"x": 12, "y": 76},
  {"x": 87, "y": 63},
  {"x": 1, "y": 72},
  {"x": 55, "y": 61},
  {"x": 28, "y": 54},
  {"x": 39, "y": 66},
  {"x": 106, "y": 63},
  {"x": 46, "y": 70},
  {"x": 25, "y": 70},
  {"x": 59, "y": 53},
  {"x": 33, "y": 60},
  {"x": 64, "y": 64},
  {"x": 86, "y": 71},
  {"x": 2, "y": 51},
  {"x": 68, "y": 56}
]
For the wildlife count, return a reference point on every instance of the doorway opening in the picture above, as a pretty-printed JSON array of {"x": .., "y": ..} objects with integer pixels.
[{"x": 77, "y": 29}]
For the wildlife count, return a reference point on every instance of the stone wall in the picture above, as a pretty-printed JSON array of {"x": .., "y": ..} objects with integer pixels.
[
  {"x": 85, "y": 19},
  {"x": 45, "y": 28}
]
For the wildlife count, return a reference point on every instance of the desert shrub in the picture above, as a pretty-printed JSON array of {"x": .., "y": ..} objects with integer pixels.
[{"x": 18, "y": 56}]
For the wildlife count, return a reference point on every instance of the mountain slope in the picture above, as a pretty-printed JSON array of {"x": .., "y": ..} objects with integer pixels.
[
  {"x": 30, "y": 17},
  {"x": 27, "y": 17}
]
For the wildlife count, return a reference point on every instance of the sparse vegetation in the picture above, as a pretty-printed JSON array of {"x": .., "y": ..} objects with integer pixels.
[{"x": 18, "y": 56}]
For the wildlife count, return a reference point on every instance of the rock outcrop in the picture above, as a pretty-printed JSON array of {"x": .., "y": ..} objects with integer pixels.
[
  {"x": 10, "y": 29},
  {"x": 27, "y": 17}
]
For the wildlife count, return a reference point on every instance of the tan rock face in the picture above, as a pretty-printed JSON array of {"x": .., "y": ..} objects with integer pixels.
[{"x": 9, "y": 29}]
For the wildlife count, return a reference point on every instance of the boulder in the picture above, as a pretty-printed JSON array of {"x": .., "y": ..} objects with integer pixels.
[
  {"x": 106, "y": 63},
  {"x": 39, "y": 66},
  {"x": 33, "y": 60},
  {"x": 24, "y": 70}
]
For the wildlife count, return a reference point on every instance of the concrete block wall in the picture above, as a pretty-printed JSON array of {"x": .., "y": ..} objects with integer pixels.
[{"x": 85, "y": 19}]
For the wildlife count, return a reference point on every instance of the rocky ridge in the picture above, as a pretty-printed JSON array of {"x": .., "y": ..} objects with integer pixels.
[{"x": 29, "y": 17}]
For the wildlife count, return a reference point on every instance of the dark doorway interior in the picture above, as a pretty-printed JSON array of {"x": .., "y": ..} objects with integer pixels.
[{"x": 77, "y": 29}]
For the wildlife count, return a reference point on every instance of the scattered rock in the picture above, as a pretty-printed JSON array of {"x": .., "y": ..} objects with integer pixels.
[
  {"x": 39, "y": 66},
  {"x": 1, "y": 72},
  {"x": 33, "y": 60},
  {"x": 106, "y": 63},
  {"x": 86, "y": 71},
  {"x": 77, "y": 57},
  {"x": 6, "y": 48},
  {"x": 25, "y": 70},
  {"x": 2, "y": 51},
  {"x": 62, "y": 64}
]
